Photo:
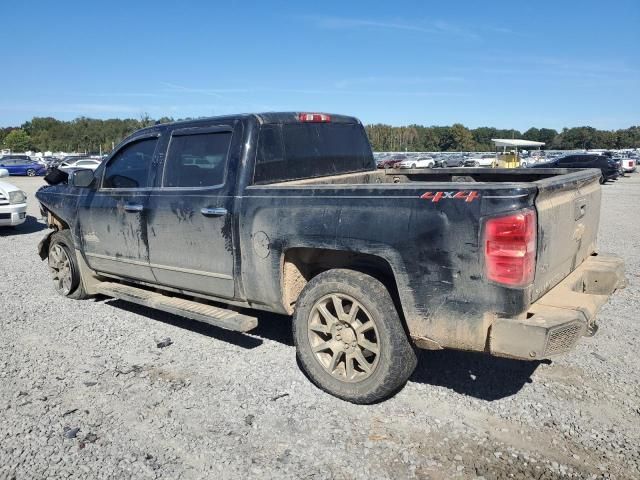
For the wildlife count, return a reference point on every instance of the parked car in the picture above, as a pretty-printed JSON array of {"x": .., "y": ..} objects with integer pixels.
[
  {"x": 607, "y": 166},
  {"x": 484, "y": 160},
  {"x": 288, "y": 214},
  {"x": 628, "y": 165},
  {"x": 452, "y": 161},
  {"x": 13, "y": 202},
  {"x": 418, "y": 162},
  {"x": 90, "y": 163},
  {"x": 48, "y": 161},
  {"x": 20, "y": 166},
  {"x": 392, "y": 161}
]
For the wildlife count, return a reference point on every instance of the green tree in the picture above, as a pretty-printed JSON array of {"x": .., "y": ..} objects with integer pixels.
[
  {"x": 17, "y": 141},
  {"x": 458, "y": 138}
]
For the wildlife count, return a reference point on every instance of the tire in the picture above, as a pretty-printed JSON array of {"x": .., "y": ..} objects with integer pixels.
[
  {"x": 387, "y": 370},
  {"x": 602, "y": 180},
  {"x": 31, "y": 172},
  {"x": 476, "y": 164},
  {"x": 63, "y": 266},
  {"x": 413, "y": 165},
  {"x": 444, "y": 164}
]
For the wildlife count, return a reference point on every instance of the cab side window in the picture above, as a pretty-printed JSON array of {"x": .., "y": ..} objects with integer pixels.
[
  {"x": 129, "y": 168},
  {"x": 197, "y": 160}
]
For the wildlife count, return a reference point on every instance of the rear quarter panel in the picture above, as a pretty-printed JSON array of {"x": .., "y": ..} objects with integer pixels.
[{"x": 432, "y": 246}]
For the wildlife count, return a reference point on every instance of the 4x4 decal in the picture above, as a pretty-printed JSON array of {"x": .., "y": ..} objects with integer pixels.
[{"x": 467, "y": 196}]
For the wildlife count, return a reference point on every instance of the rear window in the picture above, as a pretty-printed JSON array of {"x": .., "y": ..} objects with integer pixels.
[{"x": 304, "y": 150}]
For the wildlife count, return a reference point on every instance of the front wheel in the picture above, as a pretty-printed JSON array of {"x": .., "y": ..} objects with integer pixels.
[
  {"x": 444, "y": 164},
  {"x": 349, "y": 337},
  {"x": 63, "y": 266},
  {"x": 31, "y": 172},
  {"x": 602, "y": 180},
  {"x": 413, "y": 165}
]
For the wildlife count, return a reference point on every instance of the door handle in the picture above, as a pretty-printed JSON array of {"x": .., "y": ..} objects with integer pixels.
[
  {"x": 133, "y": 207},
  {"x": 213, "y": 212}
]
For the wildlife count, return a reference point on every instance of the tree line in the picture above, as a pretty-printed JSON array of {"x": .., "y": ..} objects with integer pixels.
[
  {"x": 91, "y": 135},
  {"x": 457, "y": 137},
  {"x": 83, "y": 134}
]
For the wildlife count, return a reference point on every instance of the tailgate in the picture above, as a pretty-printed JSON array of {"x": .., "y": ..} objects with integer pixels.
[{"x": 568, "y": 208}]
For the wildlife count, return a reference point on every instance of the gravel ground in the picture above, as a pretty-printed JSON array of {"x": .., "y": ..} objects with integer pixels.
[{"x": 87, "y": 393}]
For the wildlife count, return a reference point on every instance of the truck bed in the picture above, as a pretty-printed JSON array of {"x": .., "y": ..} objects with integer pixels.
[{"x": 428, "y": 224}]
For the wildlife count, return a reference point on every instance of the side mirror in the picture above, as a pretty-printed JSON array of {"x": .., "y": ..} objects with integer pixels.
[
  {"x": 4, "y": 172},
  {"x": 80, "y": 178}
]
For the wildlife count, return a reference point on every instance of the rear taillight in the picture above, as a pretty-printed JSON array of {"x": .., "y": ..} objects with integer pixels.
[
  {"x": 510, "y": 248},
  {"x": 314, "y": 117}
]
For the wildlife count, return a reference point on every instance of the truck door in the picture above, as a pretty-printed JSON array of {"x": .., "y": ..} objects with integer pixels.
[
  {"x": 191, "y": 211},
  {"x": 112, "y": 217}
]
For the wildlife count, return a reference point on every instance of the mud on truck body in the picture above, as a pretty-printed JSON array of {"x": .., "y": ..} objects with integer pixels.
[{"x": 217, "y": 218}]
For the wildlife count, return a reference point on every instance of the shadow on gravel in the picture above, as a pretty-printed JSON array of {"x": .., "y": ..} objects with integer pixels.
[
  {"x": 30, "y": 225},
  {"x": 474, "y": 374},
  {"x": 270, "y": 325}
]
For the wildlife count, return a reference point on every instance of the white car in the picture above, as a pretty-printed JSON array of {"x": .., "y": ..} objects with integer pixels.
[
  {"x": 484, "y": 160},
  {"x": 13, "y": 203},
  {"x": 420, "y": 162},
  {"x": 628, "y": 165},
  {"x": 90, "y": 163}
]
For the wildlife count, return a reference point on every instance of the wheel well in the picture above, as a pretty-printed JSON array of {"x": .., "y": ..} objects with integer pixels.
[
  {"x": 55, "y": 222},
  {"x": 302, "y": 264}
]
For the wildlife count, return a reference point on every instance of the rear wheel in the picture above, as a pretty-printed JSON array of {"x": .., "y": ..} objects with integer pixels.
[
  {"x": 413, "y": 165},
  {"x": 602, "y": 180},
  {"x": 31, "y": 172},
  {"x": 349, "y": 337},
  {"x": 444, "y": 164},
  {"x": 63, "y": 266}
]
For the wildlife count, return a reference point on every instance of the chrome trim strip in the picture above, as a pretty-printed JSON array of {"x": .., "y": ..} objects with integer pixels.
[
  {"x": 506, "y": 196},
  {"x": 161, "y": 267}
]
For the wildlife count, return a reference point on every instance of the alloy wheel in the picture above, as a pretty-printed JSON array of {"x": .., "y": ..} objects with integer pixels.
[
  {"x": 344, "y": 338},
  {"x": 61, "y": 270}
]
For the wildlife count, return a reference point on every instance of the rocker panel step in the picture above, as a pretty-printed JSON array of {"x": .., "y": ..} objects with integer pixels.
[{"x": 219, "y": 317}]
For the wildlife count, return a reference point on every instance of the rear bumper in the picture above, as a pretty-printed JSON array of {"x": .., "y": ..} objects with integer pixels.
[{"x": 556, "y": 321}]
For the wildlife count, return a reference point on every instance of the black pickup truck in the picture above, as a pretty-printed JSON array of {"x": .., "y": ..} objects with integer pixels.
[{"x": 215, "y": 218}]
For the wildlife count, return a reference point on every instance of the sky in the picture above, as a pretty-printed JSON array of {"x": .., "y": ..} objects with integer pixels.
[{"x": 512, "y": 64}]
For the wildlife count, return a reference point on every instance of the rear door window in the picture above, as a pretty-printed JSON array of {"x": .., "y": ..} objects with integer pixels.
[
  {"x": 197, "y": 160},
  {"x": 129, "y": 167}
]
